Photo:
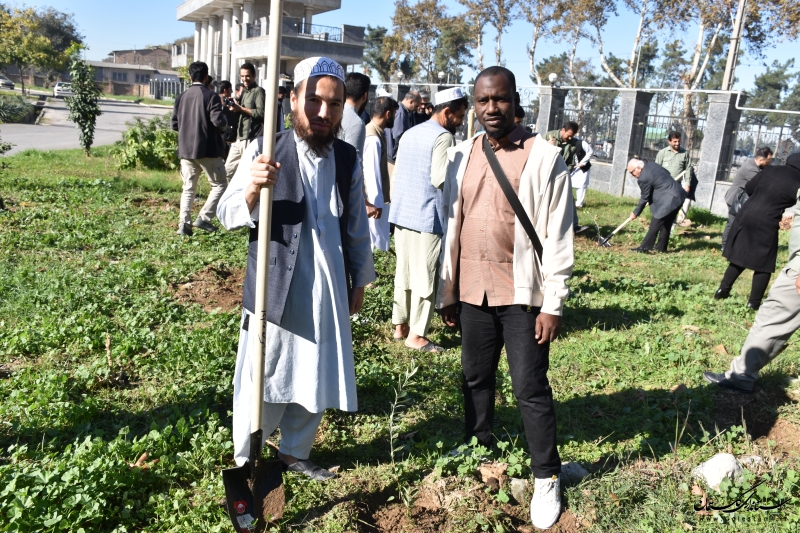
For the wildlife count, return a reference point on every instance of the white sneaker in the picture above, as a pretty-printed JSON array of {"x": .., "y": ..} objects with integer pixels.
[{"x": 546, "y": 502}]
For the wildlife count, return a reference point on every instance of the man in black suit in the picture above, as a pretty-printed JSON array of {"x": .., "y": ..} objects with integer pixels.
[
  {"x": 200, "y": 122},
  {"x": 665, "y": 196}
]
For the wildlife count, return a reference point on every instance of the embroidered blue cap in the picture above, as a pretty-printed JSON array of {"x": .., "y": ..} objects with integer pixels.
[{"x": 317, "y": 66}]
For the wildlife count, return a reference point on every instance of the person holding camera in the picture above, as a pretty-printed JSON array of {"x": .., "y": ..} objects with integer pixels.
[
  {"x": 225, "y": 92},
  {"x": 250, "y": 109}
]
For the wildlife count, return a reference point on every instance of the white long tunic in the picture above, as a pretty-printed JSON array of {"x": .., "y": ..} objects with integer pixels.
[
  {"x": 378, "y": 228},
  {"x": 579, "y": 178},
  {"x": 309, "y": 357}
]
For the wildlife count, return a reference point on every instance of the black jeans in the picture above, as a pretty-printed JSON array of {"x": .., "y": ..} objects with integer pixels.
[
  {"x": 758, "y": 287},
  {"x": 660, "y": 227},
  {"x": 484, "y": 330}
]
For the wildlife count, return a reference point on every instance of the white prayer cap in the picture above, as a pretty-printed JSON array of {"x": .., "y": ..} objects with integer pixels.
[
  {"x": 448, "y": 95},
  {"x": 382, "y": 93},
  {"x": 317, "y": 66}
]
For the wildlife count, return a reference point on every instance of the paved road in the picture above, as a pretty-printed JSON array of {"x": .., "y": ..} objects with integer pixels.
[{"x": 56, "y": 132}]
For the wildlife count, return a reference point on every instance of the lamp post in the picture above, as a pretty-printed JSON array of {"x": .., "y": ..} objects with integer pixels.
[
  {"x": 441, "y": 76},
  {"x": 553, "y": 78}
]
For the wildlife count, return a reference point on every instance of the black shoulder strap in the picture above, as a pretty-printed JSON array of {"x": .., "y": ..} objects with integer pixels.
[{"x": 512, "y": 198}]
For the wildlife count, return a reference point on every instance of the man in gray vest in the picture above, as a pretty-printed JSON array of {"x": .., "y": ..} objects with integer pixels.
[
  {"x": 376, "y": 171},
  {"x": 416, "y": 213},
  {"x": 320, "y": 262}
]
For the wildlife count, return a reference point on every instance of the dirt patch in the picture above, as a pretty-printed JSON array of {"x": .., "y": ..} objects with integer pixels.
[
  {"x": 761, "y": 416},
  {"x": 398, "y": 517},
  {"x": 212, "y": 288},
  {"x": 163, "y": 204},
  {"x": 786, "y": 436},
  {"x": 567, "y": 523}
]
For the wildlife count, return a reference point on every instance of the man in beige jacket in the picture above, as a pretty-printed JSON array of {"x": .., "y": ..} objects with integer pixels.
[{"x": 493, "y": 283}]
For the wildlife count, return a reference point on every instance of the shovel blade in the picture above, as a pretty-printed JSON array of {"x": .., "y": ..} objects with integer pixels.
[{"x": 252, "y": 504}]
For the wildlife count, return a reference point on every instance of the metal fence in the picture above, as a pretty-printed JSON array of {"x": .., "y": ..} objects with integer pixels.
[
  {"x": 161, "y": 89},
  {"x": 254, "y": 30},
  {"x": 599, "y": 129},
  {"x": 657, "y": 128},
  {"x": 319, "y": 33}
]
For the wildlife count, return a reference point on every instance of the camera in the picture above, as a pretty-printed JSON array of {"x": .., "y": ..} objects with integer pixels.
[{"x": 229, "y": 101}]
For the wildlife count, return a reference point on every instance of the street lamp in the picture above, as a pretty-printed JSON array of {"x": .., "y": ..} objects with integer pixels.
[
  {"x": 552, "y": 78},
  {"x": 441, "y": 76}
]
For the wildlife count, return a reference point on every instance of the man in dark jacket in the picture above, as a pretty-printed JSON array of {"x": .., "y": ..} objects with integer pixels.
[
  {"x": 200, "y": 122},
  {"x": 746, "y": 172},
  {"x": 665, "y": 196},
  {"x": 403, "y": 121}
]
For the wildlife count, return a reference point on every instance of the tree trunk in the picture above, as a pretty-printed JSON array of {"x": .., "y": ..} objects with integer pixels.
[
  {"x": 605, "y": 63},
  {"x": 636, "y": 41},
  {"x": 573, "y": 77},
  {"x": 498, "y": 51},
  {"x": 532, "y": 55},
  {"x": 480, "y": 51}
]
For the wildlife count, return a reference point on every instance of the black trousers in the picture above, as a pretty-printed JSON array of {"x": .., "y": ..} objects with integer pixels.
[
  {"x": 660, "y": 227},
  {"x": 758, "y": 287},
  {"x": 484, "y": 331}
]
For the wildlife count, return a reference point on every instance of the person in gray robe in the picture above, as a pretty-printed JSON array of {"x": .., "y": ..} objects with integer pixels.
[{"x": 320, "y": 262}]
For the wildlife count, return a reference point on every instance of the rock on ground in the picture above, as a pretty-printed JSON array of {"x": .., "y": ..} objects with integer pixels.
[
  {"x": 719, "y": 467},
  {"x": 572, "y": 473}
]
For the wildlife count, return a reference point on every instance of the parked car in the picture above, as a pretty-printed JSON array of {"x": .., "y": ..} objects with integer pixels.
[
  {"x": 6, "y": 83},
  {"x": 740, "y": 156},
  {"x": 62, "y": 89}
]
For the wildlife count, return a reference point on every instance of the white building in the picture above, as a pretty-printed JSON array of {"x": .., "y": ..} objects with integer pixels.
[{"x": 230, "y": 32}]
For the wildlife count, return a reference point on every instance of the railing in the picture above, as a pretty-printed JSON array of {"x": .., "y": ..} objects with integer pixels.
[
  {"x": 254, "y": 30},
  {"x": 599, "y": 129},
  {"x": 748, "y": 137},
  {"x": 161, "y": 89},
  {"x": 319, "y": 33},
  {"x": 657, "y": 128}
]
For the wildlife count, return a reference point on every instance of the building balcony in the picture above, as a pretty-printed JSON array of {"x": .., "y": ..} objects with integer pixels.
[
  {"x": 197, "y": 10},
  {"x": 300, "y": 40}
]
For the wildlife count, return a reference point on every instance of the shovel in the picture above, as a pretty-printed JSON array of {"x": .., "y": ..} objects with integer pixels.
[
  {"x": 254, "y": 491},
  {"x": 604, "y": 242}
]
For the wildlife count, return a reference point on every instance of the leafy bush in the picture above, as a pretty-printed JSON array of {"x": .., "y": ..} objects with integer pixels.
[
  {"x": 13, "y": 108},
  {"x": 149, "y": 144},
  {"x": 84, "y": 107}
]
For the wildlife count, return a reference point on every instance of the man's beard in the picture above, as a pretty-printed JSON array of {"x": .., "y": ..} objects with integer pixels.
[
  {"x": 317, "y": 143},
  {"x": 450, "y": 125}
]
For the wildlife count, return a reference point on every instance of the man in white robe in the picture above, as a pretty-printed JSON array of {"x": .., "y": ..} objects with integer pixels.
[
  {"x": 580, "y": 175},
  {"x": 376, "y": 170},
  {"x": 318, "y": 249}
]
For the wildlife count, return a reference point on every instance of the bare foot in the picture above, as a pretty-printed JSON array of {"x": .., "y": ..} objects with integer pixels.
[
  {"x": 288, "y": 459},
  {"x": 415, "y": 341},
  {"x": 401, "y": 331}
]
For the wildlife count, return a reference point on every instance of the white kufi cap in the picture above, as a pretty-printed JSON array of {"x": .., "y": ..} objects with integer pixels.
[
  {"x": 448, "y": 95},
  {"x": 381, "y": 92},
  {"x": 317, "y": 66}
]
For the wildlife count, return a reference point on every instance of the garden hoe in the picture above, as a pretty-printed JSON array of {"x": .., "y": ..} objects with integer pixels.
[
  {"x": 604, "y": 242},
  {"x": 254, "y": 491}
]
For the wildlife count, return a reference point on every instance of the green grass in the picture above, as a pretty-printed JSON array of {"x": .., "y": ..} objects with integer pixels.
[{"x": 87, "y": 249}]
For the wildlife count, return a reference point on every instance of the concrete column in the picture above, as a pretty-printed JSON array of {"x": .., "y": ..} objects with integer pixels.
[
  {"x": 719, "y": 140},
  {"x": 551, "y": 109},
  {"x": 201, "y": 53},
  {"x": 225, "y": 42},
  {"x": 197, "y": 30},
  {"x": 247, "y": 12},
  {"x": 213, "y": 40},
  {"x": 631, "y": 126},
  {"x": 264, "y": 21},
  {"x": 308, "y": 14}
]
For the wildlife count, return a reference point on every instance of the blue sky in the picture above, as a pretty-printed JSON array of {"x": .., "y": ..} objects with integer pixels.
[{"x": 115, "y": 25}]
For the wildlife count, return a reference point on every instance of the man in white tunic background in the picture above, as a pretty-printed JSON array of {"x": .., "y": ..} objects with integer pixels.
[
  {"x": 376, "y": 170},
  {"x": 580, "y": 175},
  {"x": 320, "y": 261}
]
